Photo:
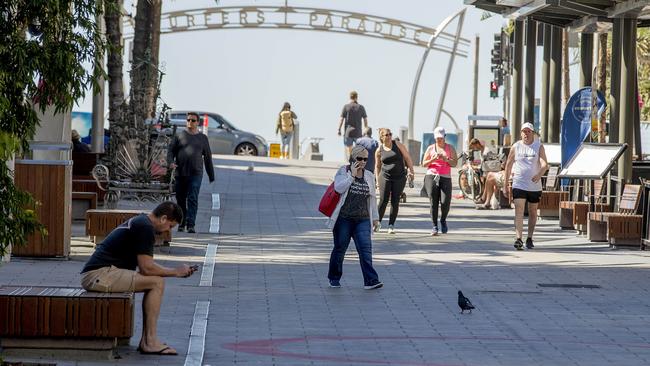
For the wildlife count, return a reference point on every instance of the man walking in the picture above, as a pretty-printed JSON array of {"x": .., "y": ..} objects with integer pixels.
[
  {"x": 188, "y": 153},
  {"x": 352, "y": 115},
  {"x": 112, "y": 268},
  {"x": 371, "y": 145}
]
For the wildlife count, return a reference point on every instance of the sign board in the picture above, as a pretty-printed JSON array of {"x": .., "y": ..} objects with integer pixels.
[
  {"x": 553, "y": 154},
  {"x": 592, "y": 161},
  {"x": 489, "y": 135},
  {"x": 478, "y": 117}
]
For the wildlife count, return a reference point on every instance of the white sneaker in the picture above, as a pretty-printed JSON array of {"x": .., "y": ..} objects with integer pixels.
[
  {"x": 391, "y": 229},
  {"x": 377, "y": 227}
]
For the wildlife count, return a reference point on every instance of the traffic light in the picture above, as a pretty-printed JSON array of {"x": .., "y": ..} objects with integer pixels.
[{"x": 494, "y": 89}]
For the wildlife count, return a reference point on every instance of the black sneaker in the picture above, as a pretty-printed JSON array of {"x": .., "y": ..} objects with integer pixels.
[
  {"x": 529, "y": 243},
  {"x": 181, "y": 228},
  {"x": 373, "y": 286},
  {"x": 335, "y": 284},
  {"x": 190, "y": 229},
  {"x": 519, "y": 245}
]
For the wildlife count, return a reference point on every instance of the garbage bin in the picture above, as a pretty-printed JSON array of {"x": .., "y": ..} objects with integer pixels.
[{"x": 50, "y": 183}]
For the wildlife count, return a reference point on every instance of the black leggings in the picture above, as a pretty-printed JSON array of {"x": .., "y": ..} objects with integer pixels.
[
  {"x": 390, "y": 189},
  {"x": 439, "y": 194}
]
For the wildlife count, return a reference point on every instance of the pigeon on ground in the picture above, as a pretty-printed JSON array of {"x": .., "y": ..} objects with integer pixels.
[{"x": 464, "y": 303}]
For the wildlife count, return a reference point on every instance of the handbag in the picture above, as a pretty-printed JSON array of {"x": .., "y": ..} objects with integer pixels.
[{"x": 329, "y": 201}]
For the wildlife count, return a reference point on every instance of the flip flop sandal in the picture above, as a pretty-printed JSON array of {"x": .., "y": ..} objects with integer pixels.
[{"x": 160, "y": 352}]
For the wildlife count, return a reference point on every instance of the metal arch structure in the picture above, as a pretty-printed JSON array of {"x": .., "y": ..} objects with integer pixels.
[
  {"x": 434, "y": 37},
  {"x": 327, "y": 20}
]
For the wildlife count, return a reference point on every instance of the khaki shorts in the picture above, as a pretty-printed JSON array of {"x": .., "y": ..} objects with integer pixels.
[
  {"x": 108, "y": 279},
  {"x": 500, "y": 179}
]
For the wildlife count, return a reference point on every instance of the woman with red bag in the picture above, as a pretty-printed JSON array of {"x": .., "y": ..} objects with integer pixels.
[{"x": 352, "y": 218}]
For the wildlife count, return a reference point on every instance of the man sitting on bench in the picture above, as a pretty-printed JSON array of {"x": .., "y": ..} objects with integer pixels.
[{"x": 112, "y": 268}]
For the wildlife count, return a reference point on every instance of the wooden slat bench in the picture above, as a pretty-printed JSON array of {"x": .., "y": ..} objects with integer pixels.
[
  {"x": 82, "y": 202},
  {"x": 33, "y": 318},
  {"x": 88, "y": 185},
  {"x": 573, "y": 214},
  {"x": 622, "y": 227},
  {"x": 101, "y": 222},
  {"x": 549, "y": 202}
]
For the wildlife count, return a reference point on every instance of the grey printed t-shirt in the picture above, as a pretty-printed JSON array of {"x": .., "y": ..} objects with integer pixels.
[
  {"x": 356, "y": 202},
  {"x": 353, "y": 113}
]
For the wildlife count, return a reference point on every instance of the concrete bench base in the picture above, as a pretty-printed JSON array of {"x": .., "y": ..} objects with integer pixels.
[{"x": 56, "y": 349}]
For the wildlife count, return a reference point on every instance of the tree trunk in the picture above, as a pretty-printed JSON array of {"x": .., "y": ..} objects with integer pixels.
[
  {"x": 602, "y": 82},
  {"x": 566, "y": 80},
  {"x": 152, "y": 81},
  {"x": 116, "y": 103},
  {"x": 141, "y": 71}
]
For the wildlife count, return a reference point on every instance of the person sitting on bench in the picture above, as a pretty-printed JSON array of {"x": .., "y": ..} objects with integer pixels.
[{"x": 112, "y": 268}]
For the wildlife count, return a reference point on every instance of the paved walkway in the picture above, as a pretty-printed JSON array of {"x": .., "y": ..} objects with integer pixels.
[{"x": 268, "y": 302}]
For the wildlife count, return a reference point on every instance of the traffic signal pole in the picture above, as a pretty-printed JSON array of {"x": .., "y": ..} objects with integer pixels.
[
  {"x": 515, "y": 116},
  {"x": 476, "y": 58},
  {"x": 529, "y": 76}
]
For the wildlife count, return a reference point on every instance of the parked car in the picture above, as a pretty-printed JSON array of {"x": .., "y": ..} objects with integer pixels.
[{"x": 224, "y": 137}]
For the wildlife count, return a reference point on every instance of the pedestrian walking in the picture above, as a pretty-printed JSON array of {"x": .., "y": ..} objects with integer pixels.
[
  {"x": 392, "y": 162},
  {"x": 112, "y": 268},
  {"x": 527, "y": 163},
  {"x": 504, "y": 131},
  {"x": 352, "y": 218},
  {"x": 438, "y": 159},
  {"x": 188, "y": 153},
  {"x": 371, "y": 145},
  {"x": 352, "y": 115},
  {"x": 284, "y": 126}
]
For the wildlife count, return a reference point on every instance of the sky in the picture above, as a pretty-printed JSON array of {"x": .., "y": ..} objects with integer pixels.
[{"x": 247, "y": 74}]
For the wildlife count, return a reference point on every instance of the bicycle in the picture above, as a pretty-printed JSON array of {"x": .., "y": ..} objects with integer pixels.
[{"x": 469, "y": 180}]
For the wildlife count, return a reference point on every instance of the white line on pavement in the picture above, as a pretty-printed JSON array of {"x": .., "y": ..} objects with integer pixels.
[
  {"x": 208, "y": 265},
  {"x": 214, "y": 225},
  {"x": 216, "y": 202},
  {"x": 197, "y": 337}
]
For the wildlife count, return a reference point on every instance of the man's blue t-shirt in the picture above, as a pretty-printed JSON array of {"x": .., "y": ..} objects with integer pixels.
[
  {"x": 371, "y": 145},
  {"x": 123, "y": 245}
]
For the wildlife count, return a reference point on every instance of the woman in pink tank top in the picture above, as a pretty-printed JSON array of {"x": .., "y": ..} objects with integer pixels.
[{"x": 438, "y": 159}]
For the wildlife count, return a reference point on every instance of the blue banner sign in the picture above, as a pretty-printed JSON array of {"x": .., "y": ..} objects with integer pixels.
[{"x": 576, "y": 121}]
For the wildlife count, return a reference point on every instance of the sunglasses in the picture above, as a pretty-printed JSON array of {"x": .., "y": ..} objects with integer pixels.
[
  {"x": 388, "y": 134},
  {"x": 191, "y": 120},
  {"x": 361, "y": 159}
]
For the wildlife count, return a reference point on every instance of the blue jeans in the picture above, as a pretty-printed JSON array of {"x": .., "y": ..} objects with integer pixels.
[
  {"x": 187, "y": 196},
  {"x": 359, "y": 230}
]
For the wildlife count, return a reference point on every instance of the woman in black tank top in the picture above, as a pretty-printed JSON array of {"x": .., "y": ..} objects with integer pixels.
[{"x": 392, "y": 161}]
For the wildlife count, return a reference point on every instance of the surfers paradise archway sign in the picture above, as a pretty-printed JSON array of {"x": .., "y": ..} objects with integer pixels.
[{"x": 318, "y": 19}]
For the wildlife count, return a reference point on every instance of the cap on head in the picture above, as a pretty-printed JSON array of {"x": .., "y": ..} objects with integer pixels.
[
  {"x": 529, "y": 126},
  {"x": 439, "y": 132}
]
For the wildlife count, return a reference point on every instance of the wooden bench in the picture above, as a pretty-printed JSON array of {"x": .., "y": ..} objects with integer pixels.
[
  {"x": 82, "y": 179},
  {"x": 573, "y": 214},
  {"x": 83, "y": 163},
  {"x": 62, "y": 318},
  {"x": 88, "y": 185},
  {"x": 622, "y": 227},
  {"x": 549, "y": 202},
  {"x": 100, "y": 222},
  {"x": 82, "y": 202}
]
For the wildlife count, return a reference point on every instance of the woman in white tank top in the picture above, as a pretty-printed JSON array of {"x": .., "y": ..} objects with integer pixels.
[{"x": 527, "y": 163}]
